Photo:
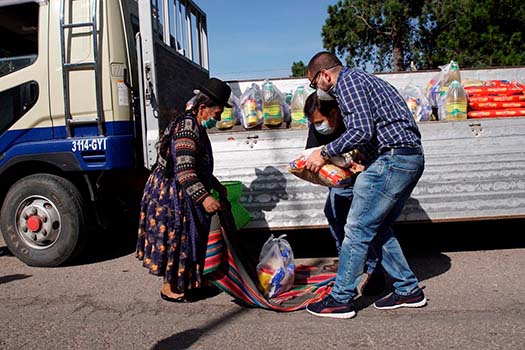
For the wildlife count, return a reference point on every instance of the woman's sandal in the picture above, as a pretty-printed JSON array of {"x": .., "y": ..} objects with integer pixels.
[{"x": 180, "y": 299}]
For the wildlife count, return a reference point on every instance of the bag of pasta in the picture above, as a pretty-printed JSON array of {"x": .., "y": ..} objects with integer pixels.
[{"x": 339, "y": 172}]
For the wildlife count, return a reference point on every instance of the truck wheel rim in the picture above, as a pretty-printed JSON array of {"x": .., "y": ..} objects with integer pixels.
[{"x": 38, "y": 222}]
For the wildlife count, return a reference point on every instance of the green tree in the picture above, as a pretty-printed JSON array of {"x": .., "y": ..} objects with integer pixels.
[
  {"x": 388, "y": 35},
  {"x": 298, "y": 69},
  {"x": 474, "y": 33},
  {"x": 373, "y": 33}
]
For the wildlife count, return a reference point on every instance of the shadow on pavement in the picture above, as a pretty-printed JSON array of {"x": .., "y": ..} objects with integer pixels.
[
  {"x": 11, "y": 278},
  {"x": 111, "y": 243},
  {"x": 415, "y": 239},
  {"x": 187, "y": 338}
]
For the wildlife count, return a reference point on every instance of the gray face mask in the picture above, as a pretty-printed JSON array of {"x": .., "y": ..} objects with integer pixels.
[
  {"x": 324, "y": 128},
  {"x": 325, "y": 95}
]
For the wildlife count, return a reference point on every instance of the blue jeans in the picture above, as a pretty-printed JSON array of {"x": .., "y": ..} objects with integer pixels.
[
  {"x": 380, "y": 192},
  {"x": 336, "y": 211}
]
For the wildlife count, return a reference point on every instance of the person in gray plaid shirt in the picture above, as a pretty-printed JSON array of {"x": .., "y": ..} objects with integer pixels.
[{"x": 379, "y": 124}]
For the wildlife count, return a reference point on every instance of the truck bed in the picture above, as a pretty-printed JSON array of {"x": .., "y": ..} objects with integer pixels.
[{"x": 475, "y": 170}]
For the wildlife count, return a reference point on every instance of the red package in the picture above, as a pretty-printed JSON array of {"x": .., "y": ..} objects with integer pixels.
[
  {"x": 490, "y": 90},
  {"x": 496, "y": 105},
  {"x": 492, "y": 113},
  {"x": 511, "y": 98}
]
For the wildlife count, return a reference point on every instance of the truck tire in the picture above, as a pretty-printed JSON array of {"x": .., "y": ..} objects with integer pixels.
[{"x": 42, "y": 220}]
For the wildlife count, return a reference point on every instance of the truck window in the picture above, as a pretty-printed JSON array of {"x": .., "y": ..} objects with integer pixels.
[{"x": 19, "y": 33}]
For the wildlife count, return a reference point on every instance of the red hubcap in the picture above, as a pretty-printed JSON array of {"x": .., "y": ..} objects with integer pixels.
[{"x": 34, "y": 223}]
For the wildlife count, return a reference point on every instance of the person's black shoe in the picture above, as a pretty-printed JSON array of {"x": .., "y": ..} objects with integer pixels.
[
  {"x": 394, "y": 301},
  {"x": 374, "y": 285},
  {"x": 329, "y": 307}
]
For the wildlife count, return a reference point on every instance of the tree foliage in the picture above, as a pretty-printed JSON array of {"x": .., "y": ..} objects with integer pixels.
[
  {"x": 298, "y": 69},
  {"x": 475, "y": 33},
  {"x": 371, "y": 32},
  {"x": 388, "y": 35}
]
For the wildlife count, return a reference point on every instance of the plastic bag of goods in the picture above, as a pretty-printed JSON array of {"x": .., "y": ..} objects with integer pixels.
[
  {"x": 271, "y": 104},
  {"x": 276, "y": 267},
  {"x": 339, "y": 172},
  {"x": 417, "y": 102},
  {"x": 437, "y": 86},
  {"x": 251, "y": 107}
]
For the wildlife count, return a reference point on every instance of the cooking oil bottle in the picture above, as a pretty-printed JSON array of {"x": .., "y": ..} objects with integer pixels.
[
  {"x": 271, "y": 105},
  {"x": 297, "y": 108},
  {"x": 456, "y": 102},
  {"x": 228, "y": 116}
]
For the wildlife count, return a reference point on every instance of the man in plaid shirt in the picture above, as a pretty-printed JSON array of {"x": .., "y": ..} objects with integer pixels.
[{"x": 379, "y": 124}]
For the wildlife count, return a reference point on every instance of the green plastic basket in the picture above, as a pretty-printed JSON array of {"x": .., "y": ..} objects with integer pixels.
[
  {"x": 240, "y": 214},
  {"x": 234, "y": 189}
]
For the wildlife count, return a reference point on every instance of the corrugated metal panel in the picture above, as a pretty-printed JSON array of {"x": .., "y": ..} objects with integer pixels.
[{"x": 474, "y": 169}]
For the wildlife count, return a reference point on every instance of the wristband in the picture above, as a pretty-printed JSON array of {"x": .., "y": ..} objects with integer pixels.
[{"x": 324, "y": 154}]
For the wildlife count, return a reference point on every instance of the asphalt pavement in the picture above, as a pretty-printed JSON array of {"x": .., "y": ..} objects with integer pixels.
[{"x": 473, "y": 275}]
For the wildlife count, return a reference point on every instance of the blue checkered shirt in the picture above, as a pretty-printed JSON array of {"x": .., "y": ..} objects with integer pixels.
[{"x": 375, "y": 115}]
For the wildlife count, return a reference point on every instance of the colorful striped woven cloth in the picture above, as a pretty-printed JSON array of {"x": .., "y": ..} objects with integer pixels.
[{"x": 225, "y": 268}]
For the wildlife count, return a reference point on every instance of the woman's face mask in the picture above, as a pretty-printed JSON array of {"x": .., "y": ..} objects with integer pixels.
[
  {"x": 208, "y": 124},
  {"x": 324, "y": 128}
]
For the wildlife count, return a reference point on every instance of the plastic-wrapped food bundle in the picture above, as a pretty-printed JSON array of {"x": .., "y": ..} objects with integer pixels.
[
  {"x": 276, "y": 268},
  {"x": 437, "y": 86},
  {"x": 251, "y": 107},
  {"x": 417, "y": 102}
]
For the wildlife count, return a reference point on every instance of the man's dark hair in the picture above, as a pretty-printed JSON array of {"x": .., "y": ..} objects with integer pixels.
[
  {"x": 313, "y": 103},
  {"x": 323, "y": 60}
]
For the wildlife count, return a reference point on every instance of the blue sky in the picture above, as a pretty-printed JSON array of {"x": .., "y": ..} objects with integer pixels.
[{"x": 261, "y": 39}]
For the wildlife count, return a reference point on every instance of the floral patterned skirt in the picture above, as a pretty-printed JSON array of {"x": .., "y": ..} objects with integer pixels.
[{"x": 164, "y": 241}]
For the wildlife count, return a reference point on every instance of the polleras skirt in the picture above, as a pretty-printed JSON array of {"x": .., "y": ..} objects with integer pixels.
[{"x": 172, "y": 233}]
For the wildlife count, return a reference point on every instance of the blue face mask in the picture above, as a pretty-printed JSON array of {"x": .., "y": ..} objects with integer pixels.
[
  {"x": 324, "y": 128},
  {"x": 208, "y": 124}
]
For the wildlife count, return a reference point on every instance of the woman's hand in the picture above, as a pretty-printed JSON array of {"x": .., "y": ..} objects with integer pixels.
[{"x": 211, "y": 205}]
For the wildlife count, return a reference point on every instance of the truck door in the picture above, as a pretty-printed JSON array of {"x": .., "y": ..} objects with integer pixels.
[
  {"x": 172, "y": 56},
  {"x": 24, "y": 107}
]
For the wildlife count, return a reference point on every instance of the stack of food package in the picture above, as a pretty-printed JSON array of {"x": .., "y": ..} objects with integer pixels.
[{"x": 496, "y": 98}]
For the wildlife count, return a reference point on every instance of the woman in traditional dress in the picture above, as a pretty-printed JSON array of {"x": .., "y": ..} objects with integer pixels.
[{"x": 177, "y": 205}]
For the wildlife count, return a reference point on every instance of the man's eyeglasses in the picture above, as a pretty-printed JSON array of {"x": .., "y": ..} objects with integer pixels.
[{"x": 313, "y": 82}]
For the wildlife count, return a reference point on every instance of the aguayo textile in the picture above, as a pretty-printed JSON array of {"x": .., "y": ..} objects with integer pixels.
[{"x": 234, "y": 273}]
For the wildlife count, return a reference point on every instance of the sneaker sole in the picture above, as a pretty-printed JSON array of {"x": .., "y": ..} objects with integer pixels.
[
  {"x": 418, "y": 304},
  {"x": 340, "y": 315}
]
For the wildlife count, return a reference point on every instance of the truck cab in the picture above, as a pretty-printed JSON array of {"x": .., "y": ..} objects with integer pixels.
[{"x": 80, "y": 110}]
